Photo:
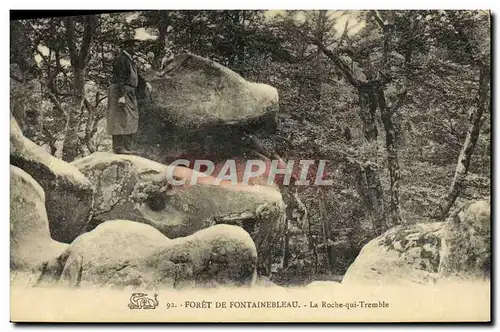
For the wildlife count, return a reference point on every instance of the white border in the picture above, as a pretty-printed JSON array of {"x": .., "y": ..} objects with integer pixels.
[
  {"x": 189, "y": 4},
  {"x": 254, "y": 4}
]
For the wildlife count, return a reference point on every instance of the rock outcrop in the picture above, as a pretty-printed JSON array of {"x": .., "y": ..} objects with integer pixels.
[
  {"x": 134, "y": 188},
  {"x": 30, "y": 241},
  {"x": 403, "y": 254},
  {"x": 69, "y": 195},
  {"x": 426, "y": 253},
  {"x": 467, "y": 245},
  {"x": 122, "y": 253},
  {"x": 200, "y": 107}
]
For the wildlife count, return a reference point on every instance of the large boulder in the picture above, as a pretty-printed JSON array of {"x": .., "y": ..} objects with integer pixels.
[
  {"x": 30, "y": 241},
  {"x": 467, "y": 245},
  {"x": 199, "y": 107},
  {"x": 403, "y": 254},
  {"x": 134, "y": 188},
  {"x": 69, "y": 195},
  {"x": 122, "y": 253},
  {"x": 427, "y": 253}
]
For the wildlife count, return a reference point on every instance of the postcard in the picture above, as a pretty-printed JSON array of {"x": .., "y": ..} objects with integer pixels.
[{"x": 250, "y": 166}]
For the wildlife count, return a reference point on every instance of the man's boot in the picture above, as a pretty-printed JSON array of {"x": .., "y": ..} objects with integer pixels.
[
  {"x": 118, "y": 144},
  {"x": 128, "y": 143}
]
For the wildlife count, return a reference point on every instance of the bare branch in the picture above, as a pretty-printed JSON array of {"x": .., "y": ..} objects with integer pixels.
[
  {"x": 87, "y": 105},
  {"x": 378, "y": 18},
  {"x": 98, "y": 101},
  {"x": 400, "y": 99},
  {"x": 44, "y": 58},
  {"x": 56, "y": 103},
  {"x": 51, "y": 77},
  {"x": 339, "y": 63},
  {"x": 97, "y": 95},
  {"x": 345, "y": 34}
]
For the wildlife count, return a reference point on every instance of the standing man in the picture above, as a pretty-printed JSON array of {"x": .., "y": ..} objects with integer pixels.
[{"x": 123, "y": 110}]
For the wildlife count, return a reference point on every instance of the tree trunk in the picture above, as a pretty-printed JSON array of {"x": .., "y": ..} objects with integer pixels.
[
  {"x": 392, "y": 158},
  {"x": 367, "y": 110},
  {"x": 311, "y": 244},
  {"x": 476, "y": 121},
  {"x": 79, "y": 60},
  {"x": 71, "y": 139},
  {"x": 317, "y": 78},
  {"x": 189, "y": 19},
  {"x": 326, "y": 235},
  {"x": 386, "y": 112},
  {"x": 286, "y": 244},
  {"x": 240, "y": 41},
  {"x": 369, "y": 179},
  {"x": 160, "y": 43},
  {"x": 370, "y": 190}
]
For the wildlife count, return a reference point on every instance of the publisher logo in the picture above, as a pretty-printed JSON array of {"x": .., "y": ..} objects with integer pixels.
[{"x": 142, "y": 301}]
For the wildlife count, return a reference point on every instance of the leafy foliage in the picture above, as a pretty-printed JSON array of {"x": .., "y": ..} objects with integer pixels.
[{"x": 429, "y": 63}]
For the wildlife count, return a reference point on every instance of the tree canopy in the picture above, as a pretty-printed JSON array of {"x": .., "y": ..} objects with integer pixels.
[{"x": 399, "y": 101}]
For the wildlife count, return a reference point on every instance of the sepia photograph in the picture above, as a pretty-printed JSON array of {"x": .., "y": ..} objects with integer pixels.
[{"x": 250, "y": 166}]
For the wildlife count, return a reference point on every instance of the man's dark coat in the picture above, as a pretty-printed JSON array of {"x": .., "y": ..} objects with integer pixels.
[{"x": 123, "y": 119}]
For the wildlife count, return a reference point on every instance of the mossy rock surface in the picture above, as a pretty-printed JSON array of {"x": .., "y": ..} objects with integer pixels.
[{"x": 459, "y": 248}]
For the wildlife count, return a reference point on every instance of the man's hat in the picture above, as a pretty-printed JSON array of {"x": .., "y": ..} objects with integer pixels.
[{"x": 130, "y": 42}]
